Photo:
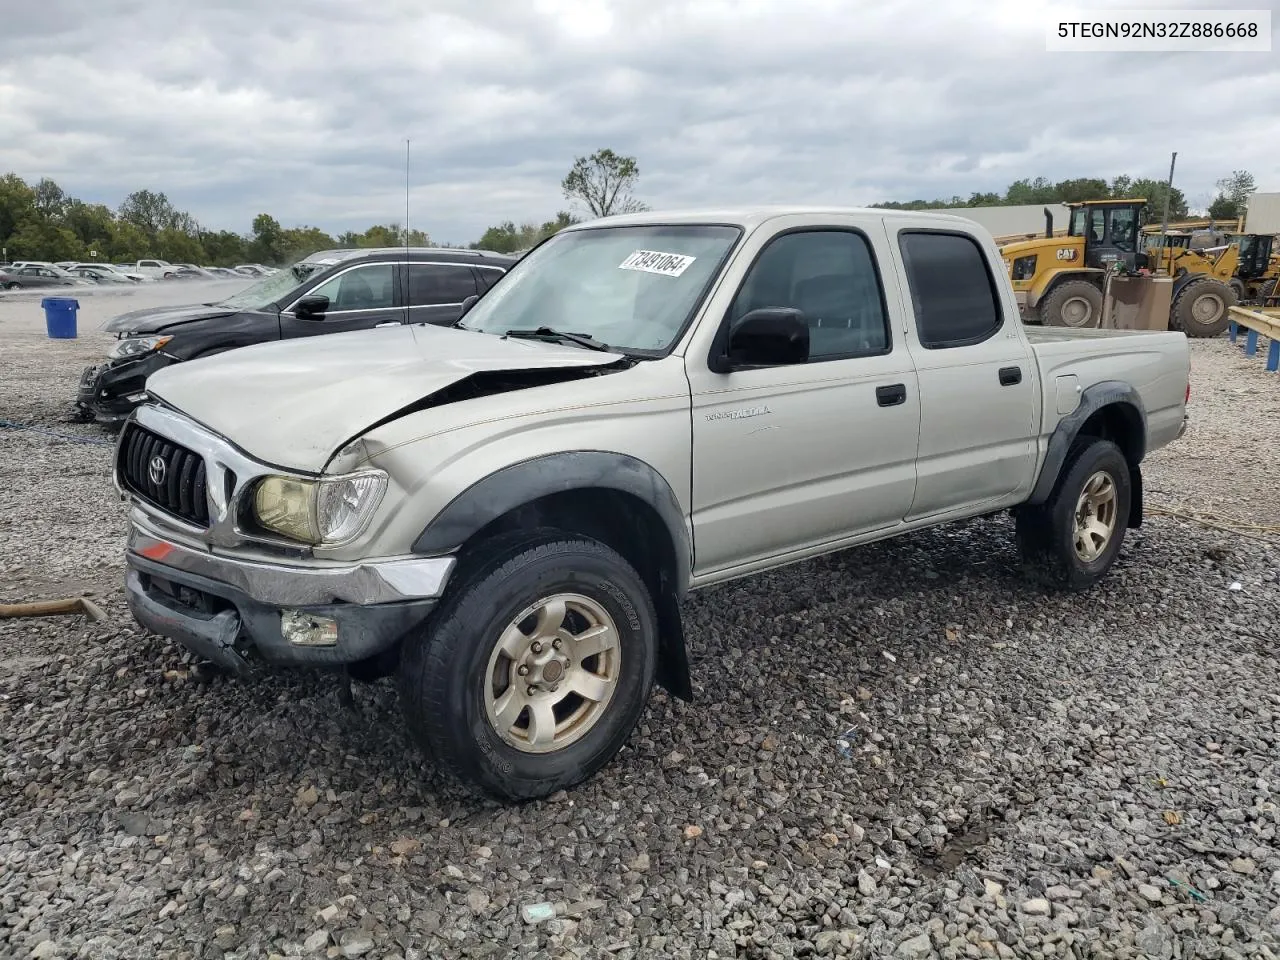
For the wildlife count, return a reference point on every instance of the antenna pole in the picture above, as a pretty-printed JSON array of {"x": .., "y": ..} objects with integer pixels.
[
  {"x": 1164, "y": 220},
  {"x": 406, "y": 194}
]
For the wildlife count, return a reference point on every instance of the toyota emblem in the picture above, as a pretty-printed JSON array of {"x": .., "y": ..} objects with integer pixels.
[{"x": 156, "y": 470}]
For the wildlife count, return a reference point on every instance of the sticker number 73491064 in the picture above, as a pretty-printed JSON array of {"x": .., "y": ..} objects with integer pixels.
[{"x": 654, "y": 261}]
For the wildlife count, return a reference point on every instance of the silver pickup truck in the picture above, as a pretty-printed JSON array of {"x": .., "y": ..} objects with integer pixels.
[{"x": 507, "y": 513}]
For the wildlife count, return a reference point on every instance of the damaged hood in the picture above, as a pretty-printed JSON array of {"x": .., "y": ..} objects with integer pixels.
[
  {"x": 293, "y": 403},
  {"x": 158, "y": 318}
]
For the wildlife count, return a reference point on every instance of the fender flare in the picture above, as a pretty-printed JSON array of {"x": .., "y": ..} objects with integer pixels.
[
  {"x": 529, "y": 480},
  {"x": 1104, "y": 394}
]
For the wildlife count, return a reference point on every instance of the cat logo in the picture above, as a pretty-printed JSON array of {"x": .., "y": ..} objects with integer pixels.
[{"x": 1066, "y": 253}]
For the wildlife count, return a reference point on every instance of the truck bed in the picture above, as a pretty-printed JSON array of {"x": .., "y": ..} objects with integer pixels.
[{"x": 1154, "y": 362}]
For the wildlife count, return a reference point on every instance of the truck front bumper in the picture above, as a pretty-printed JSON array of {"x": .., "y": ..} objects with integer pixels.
[{"x": 232, "y": 611}]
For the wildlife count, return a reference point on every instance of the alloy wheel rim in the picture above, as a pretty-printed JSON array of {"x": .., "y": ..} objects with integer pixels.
[
  {"x": 552, "y": 673},
  {"x": 1095, "y": 517}
]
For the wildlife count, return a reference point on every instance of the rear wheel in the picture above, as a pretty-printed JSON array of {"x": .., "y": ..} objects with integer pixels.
[
  {"x": 1237, "y": 288},
  {"x": 535, "y": 670},
  {"x": 1075, "y": 303},
  {"x": 13, "y": 286},
  {"x": 1200, "y": 308},
  {"x": 1072, "y": 539}
]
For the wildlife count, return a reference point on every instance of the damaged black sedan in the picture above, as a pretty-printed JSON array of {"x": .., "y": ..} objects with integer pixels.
[{"x": 328, "y": 292}]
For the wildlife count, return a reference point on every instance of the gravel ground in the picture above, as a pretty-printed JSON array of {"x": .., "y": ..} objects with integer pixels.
[{"x": 902, "y": 751}]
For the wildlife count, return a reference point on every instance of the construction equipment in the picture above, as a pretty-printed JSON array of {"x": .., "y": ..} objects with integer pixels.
[
  {"x": 1247, "y": 262},
  {"x": 1059, "y": 280},
  {"x": 1258, "y": 271}
]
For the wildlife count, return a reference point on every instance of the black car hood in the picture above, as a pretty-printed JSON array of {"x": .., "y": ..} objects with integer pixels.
[{"x": 158, "y": 318}]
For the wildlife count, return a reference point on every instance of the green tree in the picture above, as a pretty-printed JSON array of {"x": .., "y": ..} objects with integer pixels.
[
  {"x": 299, "y": 242},
  {"x": 1153, "y": 191},
  {"x": 985, "y": 200},
  {"x": 178, "y": 246},
  {"x": 1082, "y": 188},
  {"x": 128, "y": 243},
  {"x": 91, "y": 223},
  {"x": 391, "y": 235},
  {"x": 1233, "y": 195},
  {"x": 149, "y": 212},
  {"x": 604, "y": 182},
  {"x": 224, "y": 248},
  {"x": 17, "y": 202},
  {"x": 50, "y": 200},
  {"x": 39, "y": 239},
  {"x": 1038, "y": 190},
  {"x": 267, "y": 242},
  {"x": 508, "y": 238}
]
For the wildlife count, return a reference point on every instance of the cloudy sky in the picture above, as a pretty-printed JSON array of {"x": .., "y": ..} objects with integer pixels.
[{"x": 301, "y": 109}]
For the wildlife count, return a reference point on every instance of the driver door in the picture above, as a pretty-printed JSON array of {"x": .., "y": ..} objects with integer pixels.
[{"x": 360, "y": 298}]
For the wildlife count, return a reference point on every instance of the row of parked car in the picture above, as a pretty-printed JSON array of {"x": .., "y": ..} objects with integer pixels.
[{"x": 66, "y": 273}]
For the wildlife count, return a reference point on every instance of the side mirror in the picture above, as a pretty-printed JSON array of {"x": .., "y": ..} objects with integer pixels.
[
  {"x": 772, "y": 336},
  {"x": 467, "y": 304},
  {"x": 312, "y": 306}
]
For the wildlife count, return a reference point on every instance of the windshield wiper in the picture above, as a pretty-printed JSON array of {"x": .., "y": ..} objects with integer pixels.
[{"x": 548, "y": 333}]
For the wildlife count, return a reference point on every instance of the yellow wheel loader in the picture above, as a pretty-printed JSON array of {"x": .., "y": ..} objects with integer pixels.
[
  {"x": 1059, "y": 280},
  {"x": 1249, "y": 263}
]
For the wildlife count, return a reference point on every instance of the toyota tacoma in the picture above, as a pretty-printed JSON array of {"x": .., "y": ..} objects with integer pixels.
[{"x": 506, "y": 512}]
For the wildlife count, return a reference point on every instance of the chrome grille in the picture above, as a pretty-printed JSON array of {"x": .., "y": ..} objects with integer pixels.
[{"x": 164, "y": 474}]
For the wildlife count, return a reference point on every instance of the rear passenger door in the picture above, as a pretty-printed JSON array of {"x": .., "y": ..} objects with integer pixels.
[
  {"x": 436, "y": 291},
  {"x": 979, "y": 391},
  {"x": 788, "y": 458}
]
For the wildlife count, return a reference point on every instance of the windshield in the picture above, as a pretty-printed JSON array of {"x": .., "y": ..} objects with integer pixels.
[
  {"x": 633, "y": 288},
  {"x": 269, "y": 289}
]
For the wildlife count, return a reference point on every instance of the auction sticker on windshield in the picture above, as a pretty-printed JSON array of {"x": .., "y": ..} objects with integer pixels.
[{"x": 654, "y": 261}]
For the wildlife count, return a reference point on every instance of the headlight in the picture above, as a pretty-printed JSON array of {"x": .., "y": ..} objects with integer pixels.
[
  {"x": 136, "y": 346},
  {"x": 332, "y": 510}
]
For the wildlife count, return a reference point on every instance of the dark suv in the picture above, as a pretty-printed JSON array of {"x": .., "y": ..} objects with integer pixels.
[{"x": 327, "y": 292}]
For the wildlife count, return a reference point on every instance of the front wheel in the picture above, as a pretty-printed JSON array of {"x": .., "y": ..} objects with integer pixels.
[
  {"x": 1073, "y": 538},
  {"x": 536, "y": 668}
]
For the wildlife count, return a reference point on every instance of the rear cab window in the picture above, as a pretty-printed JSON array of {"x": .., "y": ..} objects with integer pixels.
[{"x": 953, "y": 291}]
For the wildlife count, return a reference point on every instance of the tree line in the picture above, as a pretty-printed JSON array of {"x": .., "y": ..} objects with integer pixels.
[
  {"x": 42, "y": 222},
  {"x": 1232, "y": 199}
]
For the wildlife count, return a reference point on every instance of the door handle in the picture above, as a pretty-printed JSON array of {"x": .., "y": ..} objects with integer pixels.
[
  {"x": 1010, "y": 375},
  {"x": 891, "y": 395}
]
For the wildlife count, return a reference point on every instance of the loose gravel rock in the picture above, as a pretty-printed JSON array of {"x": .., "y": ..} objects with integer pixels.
[{"x": 1014, "y": 749}]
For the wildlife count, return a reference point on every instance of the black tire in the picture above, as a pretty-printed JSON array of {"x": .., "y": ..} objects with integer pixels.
[
  {"x": 444, "y": 673},
  {"x": 13, "y": 286},
  {"x": 1046, "y": 533},
  {"x": 1062, "y": 307},
  {"x": 1268, "y": 289},
  {"x": 1189, "y": 313},
  {"x": 1238, "y": 288}
]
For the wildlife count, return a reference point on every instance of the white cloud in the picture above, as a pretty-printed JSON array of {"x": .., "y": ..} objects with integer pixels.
[{"x": 301, "y": 108}]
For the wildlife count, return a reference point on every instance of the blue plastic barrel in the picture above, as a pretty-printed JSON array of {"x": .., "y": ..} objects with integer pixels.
[{"x": 60, "y": 317}]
